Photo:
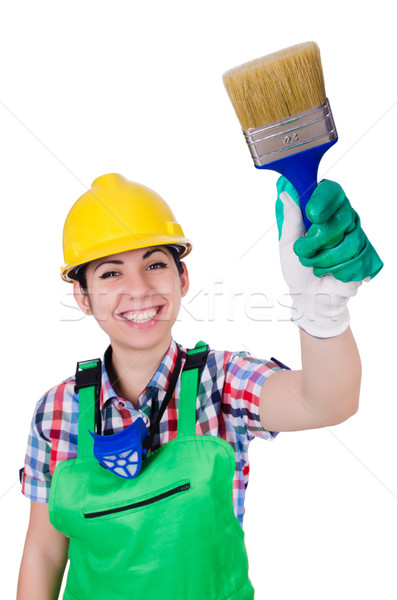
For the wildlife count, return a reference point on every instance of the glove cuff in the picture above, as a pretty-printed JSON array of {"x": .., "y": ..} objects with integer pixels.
[{"x": 322, "y": 314}]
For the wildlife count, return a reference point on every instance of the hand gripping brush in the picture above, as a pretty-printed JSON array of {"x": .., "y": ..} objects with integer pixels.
[{"x": 286, "y": 118}]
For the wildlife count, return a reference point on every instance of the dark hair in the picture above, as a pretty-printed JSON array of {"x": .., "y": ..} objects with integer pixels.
[
  {"x": 175, "y": 255},
  {"x": 81, "y": 275}
]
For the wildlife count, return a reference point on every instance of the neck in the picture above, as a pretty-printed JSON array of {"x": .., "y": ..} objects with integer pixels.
[{"x": 131, "y": 370}]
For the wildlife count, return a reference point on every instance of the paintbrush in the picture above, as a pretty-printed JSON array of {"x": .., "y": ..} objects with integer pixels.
[{"x": 286, "y": 118}]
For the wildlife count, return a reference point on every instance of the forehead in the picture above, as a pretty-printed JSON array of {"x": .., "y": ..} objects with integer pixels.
[{"x": 132, "y": 255}]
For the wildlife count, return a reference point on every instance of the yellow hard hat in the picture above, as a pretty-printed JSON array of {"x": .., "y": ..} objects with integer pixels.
[{"x": 114, "y": 216}]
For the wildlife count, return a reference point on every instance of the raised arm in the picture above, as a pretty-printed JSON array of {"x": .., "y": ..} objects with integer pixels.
[
  {"x": 323, "y": 269},
  {"x": 325, "y": 392}
]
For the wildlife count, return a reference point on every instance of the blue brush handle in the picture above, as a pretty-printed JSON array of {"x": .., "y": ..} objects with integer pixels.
[{"x": 301, "y": 170}]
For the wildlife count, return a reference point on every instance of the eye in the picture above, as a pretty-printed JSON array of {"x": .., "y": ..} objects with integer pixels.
[
  {"x": 108, "y": 274},
  {"x": 157, "y": 265}
]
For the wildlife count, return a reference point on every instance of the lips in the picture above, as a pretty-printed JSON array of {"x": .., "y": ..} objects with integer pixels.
[{"x": 141, "y": 316}]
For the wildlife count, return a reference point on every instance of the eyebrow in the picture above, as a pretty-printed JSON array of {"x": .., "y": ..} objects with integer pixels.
[
  {"x": 120, "y": 262},
  {"x": 108, "y": 262},
  {"x": 152, "y": 250}
]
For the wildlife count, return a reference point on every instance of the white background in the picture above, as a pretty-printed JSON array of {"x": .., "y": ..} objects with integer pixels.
[{"x": 90, "y": 87}]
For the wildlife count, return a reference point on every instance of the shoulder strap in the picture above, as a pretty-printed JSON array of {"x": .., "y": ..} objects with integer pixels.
[
  {"x": 88, "y": 387},
  {"x": 195, "y": 363}
]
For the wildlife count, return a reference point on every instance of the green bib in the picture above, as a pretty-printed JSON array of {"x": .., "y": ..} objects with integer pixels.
[{"x": 168, "y": 534}]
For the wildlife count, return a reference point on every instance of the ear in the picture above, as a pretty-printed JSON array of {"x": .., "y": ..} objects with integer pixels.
[
  {"x": 184, "y": 280},
  {"x": 81, "y": 298}
]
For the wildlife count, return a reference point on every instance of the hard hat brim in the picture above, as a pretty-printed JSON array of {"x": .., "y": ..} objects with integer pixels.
[{"x": 69, "y": 271}]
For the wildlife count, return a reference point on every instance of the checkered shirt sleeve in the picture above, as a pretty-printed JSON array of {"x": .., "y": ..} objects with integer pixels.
[
  {"x": 244, "y": 379},
  {"x": 52, "y": 438}
]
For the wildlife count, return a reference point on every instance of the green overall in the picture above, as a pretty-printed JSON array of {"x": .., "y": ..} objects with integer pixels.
[{"x": 168, "y": 534}]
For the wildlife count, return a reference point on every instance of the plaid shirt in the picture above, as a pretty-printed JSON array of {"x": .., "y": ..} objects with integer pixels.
[{"x": 227, "y": 406}]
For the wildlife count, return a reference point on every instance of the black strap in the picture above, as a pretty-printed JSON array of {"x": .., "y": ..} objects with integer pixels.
[
  {"x": 147, "y": 443},
  {"x": 87, "y": 377},
  {"x": 279, "y": 363},
  {"x": 197, "y": 358}
]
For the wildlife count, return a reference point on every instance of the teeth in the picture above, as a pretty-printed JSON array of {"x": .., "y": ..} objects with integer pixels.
[{"x": 141, "y": 316}]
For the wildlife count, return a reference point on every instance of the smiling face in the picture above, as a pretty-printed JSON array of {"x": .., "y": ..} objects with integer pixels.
[{"x": 134, "y": 296}]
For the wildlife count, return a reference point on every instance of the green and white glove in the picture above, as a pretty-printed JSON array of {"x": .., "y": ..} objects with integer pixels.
[{"x": 326, "y": 266}]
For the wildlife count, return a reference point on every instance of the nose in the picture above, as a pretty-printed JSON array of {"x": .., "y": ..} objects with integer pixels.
[{"x": 137, "y": 286}]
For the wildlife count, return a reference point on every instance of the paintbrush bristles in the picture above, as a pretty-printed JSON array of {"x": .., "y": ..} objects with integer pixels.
[{"x": 276, "y": 86}]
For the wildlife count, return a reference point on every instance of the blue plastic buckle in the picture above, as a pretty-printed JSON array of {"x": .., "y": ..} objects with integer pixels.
[{"x": 121, "y": 453}]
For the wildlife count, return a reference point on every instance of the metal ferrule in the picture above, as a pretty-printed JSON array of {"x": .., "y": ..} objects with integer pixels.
[{"x": 291, "y": 135}]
